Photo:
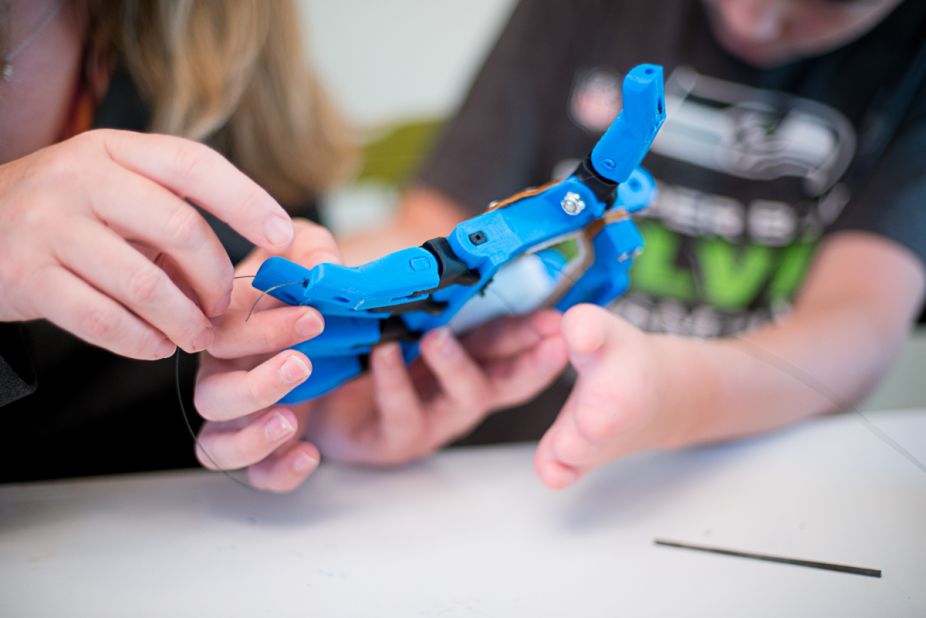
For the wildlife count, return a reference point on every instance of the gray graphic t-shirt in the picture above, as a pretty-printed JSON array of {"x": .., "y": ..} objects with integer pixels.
[{"x": 753, "y": 166}]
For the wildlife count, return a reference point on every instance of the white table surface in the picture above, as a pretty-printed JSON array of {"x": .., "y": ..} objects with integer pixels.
[{"x": 471, "y": 532}]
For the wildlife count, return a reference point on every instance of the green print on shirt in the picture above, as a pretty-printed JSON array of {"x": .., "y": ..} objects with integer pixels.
[{"x": 732, "y": 276}]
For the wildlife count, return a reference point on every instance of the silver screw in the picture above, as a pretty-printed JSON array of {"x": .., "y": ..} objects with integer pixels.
[{"x": 572, "y": 203}]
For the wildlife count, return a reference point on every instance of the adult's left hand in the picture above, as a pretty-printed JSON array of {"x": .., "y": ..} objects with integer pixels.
[{"x": 394, "y": 414}]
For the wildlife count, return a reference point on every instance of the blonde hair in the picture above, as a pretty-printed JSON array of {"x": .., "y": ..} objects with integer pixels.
[{"x": 234, "y": 73}]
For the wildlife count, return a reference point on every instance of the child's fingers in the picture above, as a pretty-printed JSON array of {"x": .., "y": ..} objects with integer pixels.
[
  {"x": 402, "y": 421},
  {"x": 286, "y": 470},
  {"x": 222, "y": 449},
  {"x": 562, "y": 449},
  {"x": 462, "y": 381},
  {"x": 588, "y": 331},
  {"x": 602, "y": 415},
  {"x": 509, "y": 336},
  {"x": 265, "y": 331},
  {"x": 589, "y": 431},
  {"x": 228, "y": 395},
  {"x": 552, "y": 472},
  {"x": 519, "y": 378}
]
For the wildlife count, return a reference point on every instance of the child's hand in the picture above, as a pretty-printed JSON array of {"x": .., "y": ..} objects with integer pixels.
[
  {"x": 616, "y": 405},
  {"x": 398, "y": 413}
]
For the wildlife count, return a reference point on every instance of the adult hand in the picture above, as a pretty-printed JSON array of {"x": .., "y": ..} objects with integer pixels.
[
  {"x": 245, "y": 372},
  {"x": 390, "y": 416},
  {"x": 97, "y": 236}
]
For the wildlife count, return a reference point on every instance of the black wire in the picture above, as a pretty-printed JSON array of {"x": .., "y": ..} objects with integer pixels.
[
  {"x": 824, "y": 391},
  {"x": 189, "y": 426},
  {"x": 736, "y": 553},
  {"x": 272, "y": 288},
  {"x": 772, "y": 359}
]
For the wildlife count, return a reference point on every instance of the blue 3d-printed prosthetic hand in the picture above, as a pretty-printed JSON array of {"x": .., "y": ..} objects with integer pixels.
[{"x": 567, "y": 242}]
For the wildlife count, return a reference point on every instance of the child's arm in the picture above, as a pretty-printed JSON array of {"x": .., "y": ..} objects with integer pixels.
[{"x": 639, "y": 391}]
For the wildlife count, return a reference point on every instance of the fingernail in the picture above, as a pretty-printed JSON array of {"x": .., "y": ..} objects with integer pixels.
[
  {"x": 279, "y": 231},
  {"x": 222, "y": 305},
  {"x": 390, "y": 354},
  {"x": 303, "y": 462},
  {"x": 165, "y": 348},
  {"x": 444, "y": 343},
  {"x": 278, "y": 427},
  {"x": 203, "y": 340},
  {"x": 309, "y": 325},
  {"x": 561, "y": 476},
  {"x": 294, "y": 370}
]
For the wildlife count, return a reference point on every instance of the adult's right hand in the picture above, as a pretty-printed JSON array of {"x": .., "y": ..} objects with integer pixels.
[{"x": 97, "y": 236}]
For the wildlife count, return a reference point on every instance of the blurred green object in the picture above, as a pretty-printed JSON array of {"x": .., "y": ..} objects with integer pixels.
[{"x": 395, "y": 154}]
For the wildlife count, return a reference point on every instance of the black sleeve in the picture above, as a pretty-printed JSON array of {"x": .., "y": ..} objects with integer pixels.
[
  {"x": 892, "y": 200},
  {"x": 17, "y": 376},
  {"x": 490, "y": 148}
]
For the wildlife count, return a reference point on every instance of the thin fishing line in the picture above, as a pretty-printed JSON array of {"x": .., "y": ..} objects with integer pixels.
[
  {"x": 273, "y": 288},
  {"x": 805, "y": 378},
  {"x": 772, "y": 359},
  {"x": 189, "y": 426},
  {"x": 183, "y": 411}
]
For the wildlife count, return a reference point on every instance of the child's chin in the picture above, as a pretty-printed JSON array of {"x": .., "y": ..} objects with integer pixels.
[{"x": 763, "y": 56}]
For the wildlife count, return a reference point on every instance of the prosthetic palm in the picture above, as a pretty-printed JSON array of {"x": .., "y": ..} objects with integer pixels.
[{"x": 564, "y": 243}]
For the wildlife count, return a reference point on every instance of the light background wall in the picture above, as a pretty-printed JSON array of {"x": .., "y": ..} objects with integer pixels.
[
  {"x": 394, "y": 65},
  {"x": 390, "y": 59}
]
